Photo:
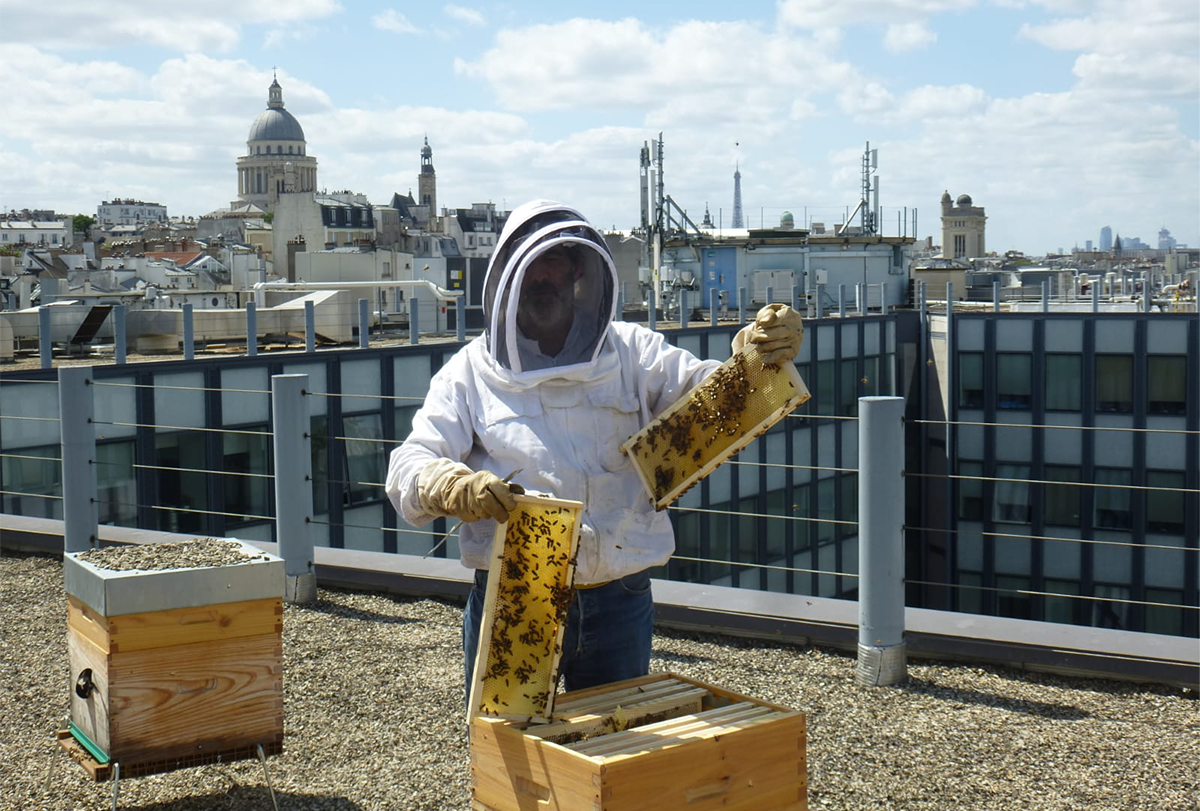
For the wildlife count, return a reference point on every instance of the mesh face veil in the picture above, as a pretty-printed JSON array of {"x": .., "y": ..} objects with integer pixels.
[{"x": 533, "y": 230}]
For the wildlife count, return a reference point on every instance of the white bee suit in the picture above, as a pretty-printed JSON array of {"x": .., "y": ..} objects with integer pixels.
[{"x": 499, "y": 405}]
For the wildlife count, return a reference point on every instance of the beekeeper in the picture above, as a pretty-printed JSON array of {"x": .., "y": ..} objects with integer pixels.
[{"x": 553, "y": 387}]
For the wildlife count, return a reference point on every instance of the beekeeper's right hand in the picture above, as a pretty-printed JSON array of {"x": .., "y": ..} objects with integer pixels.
[{"x": 453, "y": 489}]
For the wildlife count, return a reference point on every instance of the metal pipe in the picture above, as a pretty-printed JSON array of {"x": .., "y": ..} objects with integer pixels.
[
  {"x": 78, "y": 435},
  {"x": 189, "y": 334},
  {"x": 45, "y": 337},
  {"x": 291, "y": 414},
  {"x": 251, "y": 328},
  {"x": 881, "y": 647},
  {"x": 119, "y": 336},
  {"x": 310, "y": 327},
  {"x": 262, "y": 288}
]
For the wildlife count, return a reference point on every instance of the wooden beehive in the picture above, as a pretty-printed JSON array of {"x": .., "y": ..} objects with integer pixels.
[
  {"x": 174, "y": 667},
  {"x": 659, "y": 742},
  {"x": 529, "y": 590},
  {"x": 713, "y": 421}
]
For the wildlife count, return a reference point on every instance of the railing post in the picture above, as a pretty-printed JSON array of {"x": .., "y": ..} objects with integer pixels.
[
  {"x": 45, "y": 337},
  {"x": 741, "y": 306},
  {"x": 119, "y": 340},
  {"x": 620, "y": 314},
  {"x": 714, "y": 304},
  {"x": 796, "y": 299},
  {"x": 364, "y": 323},
  {"x": 683, "y": 309},
  {"x": 651, "y": 305},
  {"x": 841, "y": 301},
  {"x": 460, "y": 318},
  {"x": 414, "y": 320},
  {"x": 251, "y": 328},
  {"x": 1045, "y": 296},
  {"x": 882, "y": 657},
  {"x": 78, "y": 436},
  {"x": 995, "y": 295},
  {"x": 820, "y": 300},
  {"x": 770, "y": 294},
  {"x": 1096, "y": 295},
  {"x": 189, "y": 334},
  {"x": 310, "y": 327},
  {"x": 290, "y": 411},
  {"x": 883, "y": 304}
]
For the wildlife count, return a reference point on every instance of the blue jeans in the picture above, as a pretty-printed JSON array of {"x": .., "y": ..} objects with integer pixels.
[{"x": 607, "y": 638}]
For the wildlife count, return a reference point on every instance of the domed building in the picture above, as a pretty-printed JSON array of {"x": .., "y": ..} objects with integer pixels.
[
  {"x": 963, "y": 226},
  {"x": 276, "y": 158}
]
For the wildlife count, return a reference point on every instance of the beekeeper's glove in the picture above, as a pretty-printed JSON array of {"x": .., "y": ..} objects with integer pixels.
[
  {"x": 453, "y": 489},
  {"x": 777, "y": 332}
]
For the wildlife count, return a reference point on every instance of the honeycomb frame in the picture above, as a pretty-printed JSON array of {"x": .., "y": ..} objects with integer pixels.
[
  {"x": 530, "y": 588},
  {"x": 704, "y": 426}
]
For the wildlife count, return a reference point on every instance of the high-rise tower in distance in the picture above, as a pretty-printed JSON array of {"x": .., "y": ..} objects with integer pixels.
[{"x": 737, "y": 199}]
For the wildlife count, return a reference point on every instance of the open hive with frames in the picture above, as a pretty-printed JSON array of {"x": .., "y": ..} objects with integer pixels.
[
  {"x": 530, "y": 588},
  {"x": 712, "y": 422}
]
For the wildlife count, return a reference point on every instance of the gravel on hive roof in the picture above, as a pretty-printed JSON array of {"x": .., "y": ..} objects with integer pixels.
[{"x": 374, "y": 720}]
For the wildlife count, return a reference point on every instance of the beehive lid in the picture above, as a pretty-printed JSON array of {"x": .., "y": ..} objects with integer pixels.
[
  {"x": 158, "y": 577},
  {"x": 530, "y": 586},
  {"x": 712, "y": 422}
]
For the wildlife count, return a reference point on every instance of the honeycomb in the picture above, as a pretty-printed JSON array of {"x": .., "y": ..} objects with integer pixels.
[
  {"x": 530, "y": 588},
  {"x": 712, "y": 422}
]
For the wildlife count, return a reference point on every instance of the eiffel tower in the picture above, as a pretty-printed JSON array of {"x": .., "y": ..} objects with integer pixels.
[{"x": 737, "y": 199}]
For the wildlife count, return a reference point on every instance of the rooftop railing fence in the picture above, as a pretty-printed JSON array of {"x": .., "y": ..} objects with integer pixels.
[{"x": 292, "y": 509}]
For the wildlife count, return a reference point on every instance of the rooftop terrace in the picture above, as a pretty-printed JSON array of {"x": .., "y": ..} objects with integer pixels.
[{"x": 374, "y": 720}]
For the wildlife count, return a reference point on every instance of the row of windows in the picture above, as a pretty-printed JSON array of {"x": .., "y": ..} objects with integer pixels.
[
  {"x": 1063, "y": 504},
  {"x": 1012, "y": 373},
  {"x": 278, "y": 150},
  {"x": 836, "y": 385}
]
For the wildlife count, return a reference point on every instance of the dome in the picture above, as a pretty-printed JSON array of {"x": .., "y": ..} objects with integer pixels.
[
  {"x": 945, "y": 197},
  {"x": 276, "y": 124},
  {"x": 964, "y": 200}
]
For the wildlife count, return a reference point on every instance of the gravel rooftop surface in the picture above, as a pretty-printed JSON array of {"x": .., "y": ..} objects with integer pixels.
[{"x": 374, "y": 720}]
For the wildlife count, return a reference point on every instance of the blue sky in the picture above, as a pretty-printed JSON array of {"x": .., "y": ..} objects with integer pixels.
[{"x": 1057, "y": 116}]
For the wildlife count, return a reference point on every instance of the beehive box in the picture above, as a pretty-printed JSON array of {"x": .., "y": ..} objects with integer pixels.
[
  {"x": 173, "y": 663},
  {"x": 716, "y": 419},
  {"x": 530, "y": 588},
  {"x": 659, "y": 742}
]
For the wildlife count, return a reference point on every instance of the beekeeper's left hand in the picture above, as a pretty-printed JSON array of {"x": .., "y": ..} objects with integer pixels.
[{"x": 777, "y": 333}]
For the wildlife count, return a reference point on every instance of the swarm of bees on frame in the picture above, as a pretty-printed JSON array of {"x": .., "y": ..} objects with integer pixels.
[
  {"x": 718, "y": 413},
  {"x": 533, "y": 594}
]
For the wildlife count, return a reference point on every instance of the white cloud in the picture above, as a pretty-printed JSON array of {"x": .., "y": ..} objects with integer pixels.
[
  {"x": 823, "y": 14},
  {"x": 394, "y": 21},
  {"x": 697, "y": 69},
  {"x": 906, "y": 37},
  {"x": 469, "y": 16},
  {"x": 214, "y": 25}
]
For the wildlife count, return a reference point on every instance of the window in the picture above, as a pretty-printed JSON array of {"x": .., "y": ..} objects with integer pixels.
[
  {"x": 1011, "y": 502},
  {"x": 1060, "y": 609},
  {"x": 1062, "y": 501},
  {"x": 246, "y": 496},
  {"x": 1112, "y": 610},
  {"x": 970, "y": 491},
  {"x": 874, "y": 386},
  {"x": 824, "y": 394},
  {"x": 319, "y": 440},
  {"x": 116, "y": 484},
  {"x": 1112, "y": 500},
  {"x": 960, "y": 245},
  {"x": 180, "y": 484},
  {"x": 1166, "y": 383},
  {"x": 1161, "y": 619},
  {"x": 1165, "y": 509},
  {"x": 366, "y": 467},
  {"x": 1010, "y": 602},
  {"x": 848, "y": 388},
  {"x": 1013, "y": 378},
  {"x": 28, "y": 479},
  {"x": 1064, "y": 375},
  {"x": 1114, "y": 383},
  {"x": 970, "y": 380}
]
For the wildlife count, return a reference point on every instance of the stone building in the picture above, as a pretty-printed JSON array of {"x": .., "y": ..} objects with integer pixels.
[
  {"x": 962, "y": 228},
  {"x": 276, "y": 158}
]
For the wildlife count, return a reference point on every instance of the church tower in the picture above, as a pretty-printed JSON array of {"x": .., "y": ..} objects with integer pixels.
[
  {"x": 276, "y": 159},
  {"x": 427, "y": 181}
]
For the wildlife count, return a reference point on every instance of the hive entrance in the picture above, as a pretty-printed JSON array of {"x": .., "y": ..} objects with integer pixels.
[
  {"x": 712, "y": 422},
  {"x": 530, "y": 587}
]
